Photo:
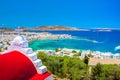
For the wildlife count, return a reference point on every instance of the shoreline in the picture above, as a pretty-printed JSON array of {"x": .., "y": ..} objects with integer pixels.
[
  {"x": 32, "y": 36},
  {"x": 7, "y": 37},
  {"x": 74, "y": 38},
  {"x": 95, "y": 54},
  {"x": 95, "y": 59}
]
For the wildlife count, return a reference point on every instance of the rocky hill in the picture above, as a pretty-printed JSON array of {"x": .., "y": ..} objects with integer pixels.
[
  {"x": 52, "y": 28},
  {"x": 5, "y": 29}
]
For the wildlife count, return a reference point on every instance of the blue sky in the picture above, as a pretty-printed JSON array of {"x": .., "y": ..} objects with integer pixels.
[{"x": 73, "y": 13}]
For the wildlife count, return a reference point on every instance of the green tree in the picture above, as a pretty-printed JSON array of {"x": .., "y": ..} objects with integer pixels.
[
  {"x": 96, "y": 71},
  {"x": 57, "y": 50},
  {"x": 90, "y": 55},
  {"x": 42, "y": 56},
  {"x": 73, "y": 51},
  {"x": 64, "y": 67},
  {"x": 86, "y": 60},
  {"x": 80, "y": 53},
  {"x": 111, "y": 72}
]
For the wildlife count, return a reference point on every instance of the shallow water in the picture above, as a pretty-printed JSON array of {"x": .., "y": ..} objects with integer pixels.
[{"x": 83, "y": 40}]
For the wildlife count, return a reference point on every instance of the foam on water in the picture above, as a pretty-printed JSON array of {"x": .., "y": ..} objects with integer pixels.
[
  {"x": 89, "y": 40},
  {"x": 82, "y": 40},
  {"x": 117, "y": 48}
]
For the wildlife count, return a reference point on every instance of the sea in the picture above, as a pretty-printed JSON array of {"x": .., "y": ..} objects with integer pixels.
[{"x": 95, "y": 40}]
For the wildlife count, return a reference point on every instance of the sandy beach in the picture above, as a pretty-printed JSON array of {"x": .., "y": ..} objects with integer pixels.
[{"x": 94, "y": 61}]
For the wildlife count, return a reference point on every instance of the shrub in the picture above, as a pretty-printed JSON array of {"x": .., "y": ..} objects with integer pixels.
[
  {"x": 74, "y": 51},
  {"x": 64, "y": 67},
  {"x": 57, "y": 50}
]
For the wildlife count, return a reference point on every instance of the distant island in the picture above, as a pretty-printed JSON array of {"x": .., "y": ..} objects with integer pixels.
[
  {"x": 57, "y": 28},
  {"x": 5, "y": 29},
  {"x": 52, "y": 28}
]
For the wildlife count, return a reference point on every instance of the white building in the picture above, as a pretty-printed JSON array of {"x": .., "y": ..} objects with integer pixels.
[{"x": 20, "y": 43}]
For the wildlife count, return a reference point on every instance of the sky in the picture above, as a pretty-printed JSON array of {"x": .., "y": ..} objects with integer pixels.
[{"x": 72, "y": 13}]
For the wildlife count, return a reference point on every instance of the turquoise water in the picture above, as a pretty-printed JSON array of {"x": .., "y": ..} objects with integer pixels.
[
  {"x": 97, "y": 41},
  {"x": 77, "y": 43}
]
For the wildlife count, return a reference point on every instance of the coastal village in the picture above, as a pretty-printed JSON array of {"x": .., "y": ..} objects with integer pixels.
[
  {"x": 7, "y": 37},
  {"x": 49, "y": 64},
  {"x": 60, "y": 40}
]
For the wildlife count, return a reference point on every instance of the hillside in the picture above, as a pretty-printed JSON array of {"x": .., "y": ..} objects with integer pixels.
[
  {"x": 5, "y": 29},
  {"x": 52, "y": 28}
]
